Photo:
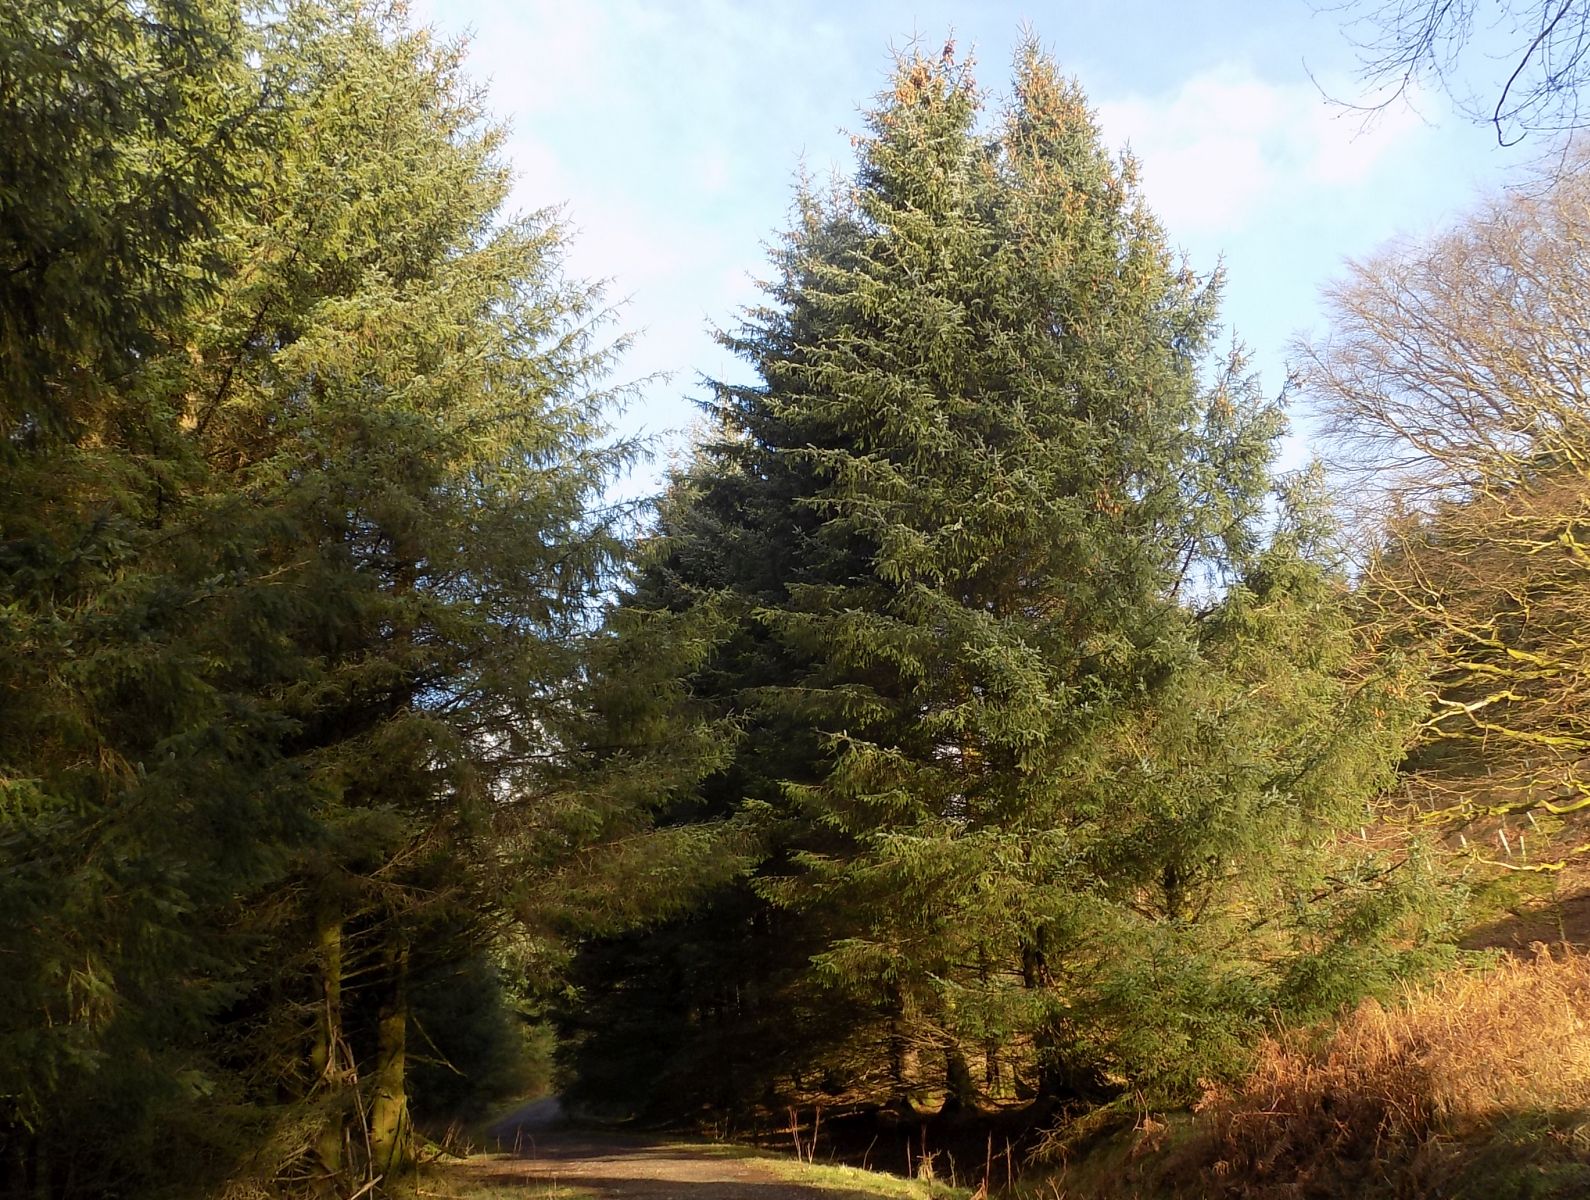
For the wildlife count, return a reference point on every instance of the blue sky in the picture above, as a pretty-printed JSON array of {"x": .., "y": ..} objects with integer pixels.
[{"x": 672, "y": 130}]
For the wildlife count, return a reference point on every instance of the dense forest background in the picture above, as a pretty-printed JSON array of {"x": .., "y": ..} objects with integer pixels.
[{"x": 979, "y": 723}]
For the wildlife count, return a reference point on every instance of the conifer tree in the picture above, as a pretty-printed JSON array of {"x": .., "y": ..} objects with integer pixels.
[
  {"x": 991, "y": 520},
  {"x": 301, "y": 619},
  {"x": 401, "y": 396},
  {"x": 120, "y": 126}
]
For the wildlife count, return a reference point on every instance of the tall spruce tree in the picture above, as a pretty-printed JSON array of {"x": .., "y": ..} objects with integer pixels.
[
  {"x": 302, "y": 565},
  {"x": 401, "y": 398},
  {"x": 992, "y": 522},
  {"x": 121, "y": 126}
]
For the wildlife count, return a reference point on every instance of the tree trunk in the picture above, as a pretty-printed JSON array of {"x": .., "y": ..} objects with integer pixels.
[
  {"x": 960, "y": 1089},
  {"x": 902, "y": 1053},
  {"x": 1051, "y": 1081},
  {"x": 328, "y": 1057},
  {"x": 391, "y": 1136},
  {"x": 990, "y": 1042},
  {"x": 1060, "y": 1077},
  {"x": 42, "y": 1183}
]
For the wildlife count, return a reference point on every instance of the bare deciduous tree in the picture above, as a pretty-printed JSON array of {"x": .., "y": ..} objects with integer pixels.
[
  {"x": 1455, "y": 388},
  {"x": 1539, "y": 51},
  {"x": 1454, "y": 365}
]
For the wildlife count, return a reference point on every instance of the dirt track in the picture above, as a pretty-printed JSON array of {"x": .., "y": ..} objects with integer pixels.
[{"x": 529, "y": 1149}]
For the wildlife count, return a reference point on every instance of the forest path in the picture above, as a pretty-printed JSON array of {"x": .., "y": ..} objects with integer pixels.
[{"x": 567, "y": 1164}]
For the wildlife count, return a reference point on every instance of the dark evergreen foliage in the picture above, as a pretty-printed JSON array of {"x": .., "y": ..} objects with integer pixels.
[
  {"x": 980, "y": 719},
  {"x": 304, "y": 549},
  {"x": 992, "y": 523}
]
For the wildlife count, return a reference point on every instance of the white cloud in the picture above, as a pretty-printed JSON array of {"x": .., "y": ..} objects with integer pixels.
[
  {"x": 536, "y": 52},
  {"x": 1226, "y": 144},
  {"x": 671, "y": 130}
]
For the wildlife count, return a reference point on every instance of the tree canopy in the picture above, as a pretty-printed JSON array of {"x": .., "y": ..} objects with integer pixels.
[
  {"x": 979, "y": 719},
  {"x": 305, "y": 538},
  {"x": 993, "y": 525},
  {"x": 1453, "y": 382}
]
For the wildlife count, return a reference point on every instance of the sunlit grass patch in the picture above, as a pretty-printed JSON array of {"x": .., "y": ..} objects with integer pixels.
[{"x": 855, "y": 1182}]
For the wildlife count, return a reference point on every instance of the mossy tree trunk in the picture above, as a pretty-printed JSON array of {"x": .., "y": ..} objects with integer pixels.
[
  {"x": 391, "y": 1134},
  {"x": 902, "y": 1053},
  {"x": 329, "y": 1060}
]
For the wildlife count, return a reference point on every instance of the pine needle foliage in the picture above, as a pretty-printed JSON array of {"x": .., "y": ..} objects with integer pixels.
[
  {"x": 303, "y": 558},
  {"x": 1042, "y": 713}
]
